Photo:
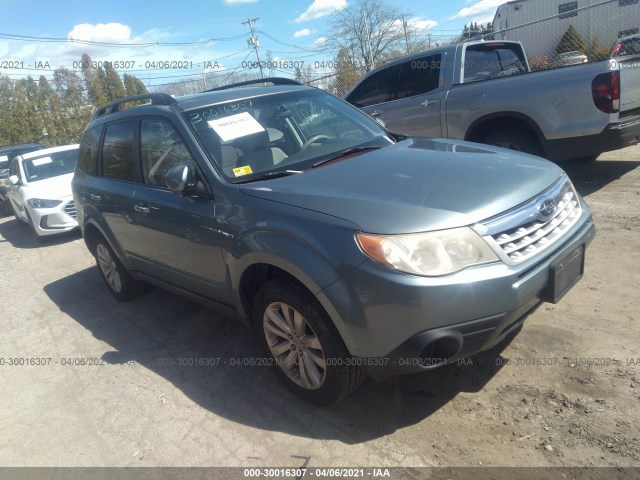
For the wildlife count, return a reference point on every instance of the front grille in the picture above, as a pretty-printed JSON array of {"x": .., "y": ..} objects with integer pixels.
[
  {"x": 526, "y": 232},
  {"x": 70, "y": 209}
]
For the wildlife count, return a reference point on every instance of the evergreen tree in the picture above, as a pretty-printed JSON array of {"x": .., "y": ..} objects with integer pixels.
[
  {"x": 133, "y": 85},
  {"x": 21, "y": 128},
  {"x": 113, "y": 85},
  {"x": 92, "y": 81},
  {"x": 571, "y": 41},
  {"x": 49, "y": 106},
  {"x": 74, "y": 112}
]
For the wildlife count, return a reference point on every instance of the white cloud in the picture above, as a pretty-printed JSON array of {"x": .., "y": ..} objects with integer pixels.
[
  {"x": 421, "y": 24},
  {"x": 320, "y": 8},
  {"x": 236, "y": 2},
  {"x": 483, "y": 8},
  {"x": 101, "y": 32},
  {"x": 302, "y": 33},
  {"x": 319, "y": 42}
]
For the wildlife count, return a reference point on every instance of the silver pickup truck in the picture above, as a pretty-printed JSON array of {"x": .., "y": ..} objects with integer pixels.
[{"x": 484, "y": 91}]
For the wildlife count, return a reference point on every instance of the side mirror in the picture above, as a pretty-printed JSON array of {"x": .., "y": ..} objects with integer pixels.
[
  {"x": 181, "y": 180},
  {"x": 14, "y": 180}
]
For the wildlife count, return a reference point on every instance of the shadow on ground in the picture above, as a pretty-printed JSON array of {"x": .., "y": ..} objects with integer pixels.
[
  {"x": 20, "y": 235},
  {"x": 590, "y": 177},
  {"x": 162, "y": 326}
]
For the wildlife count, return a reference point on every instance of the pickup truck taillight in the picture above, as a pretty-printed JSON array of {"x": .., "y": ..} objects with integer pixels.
[{"x": 605, "y": 89}]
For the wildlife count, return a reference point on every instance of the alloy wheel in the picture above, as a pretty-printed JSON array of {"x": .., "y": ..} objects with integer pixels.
[{"x": 294, "y": 345}]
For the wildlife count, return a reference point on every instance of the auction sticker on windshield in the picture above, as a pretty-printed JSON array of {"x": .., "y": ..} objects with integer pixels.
[
  {"x": 41, "y": 161},
  {"x": 235, "y": 126},
  {"x": 246, "y": 170}
]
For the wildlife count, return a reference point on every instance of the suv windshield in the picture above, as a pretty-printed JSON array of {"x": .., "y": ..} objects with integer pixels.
[
  {"x": 250, "y": 138},
  {"x": 52, "y": 165}
]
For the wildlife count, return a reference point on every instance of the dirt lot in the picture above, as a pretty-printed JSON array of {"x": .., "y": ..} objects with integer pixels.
[{"x": 564, "y": 392}]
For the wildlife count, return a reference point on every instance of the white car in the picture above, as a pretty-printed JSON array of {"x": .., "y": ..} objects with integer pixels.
[{"x": 39, "y": 189}]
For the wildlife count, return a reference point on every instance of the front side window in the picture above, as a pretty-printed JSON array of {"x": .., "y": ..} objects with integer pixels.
[
  {"x": 117, "y": 151},
  {"x": 419, "y": 76},
  {"x": 161, "y": 148},
  {"x": 51, "y": 165},
  {"x": 380, "y": 87}
]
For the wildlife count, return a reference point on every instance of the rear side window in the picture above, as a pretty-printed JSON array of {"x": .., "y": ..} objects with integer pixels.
[
  {"x": 490, "y": 61},
  {"x": 117, "y": 151},
  {"x": 419, "y": 76},
  {"x": 161, "y": 148},
  {"x": 377, "y": 88},
  {"x": 88, "y": 153}
]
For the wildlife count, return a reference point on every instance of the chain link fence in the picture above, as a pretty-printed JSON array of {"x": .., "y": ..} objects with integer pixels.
[{"x": 554, "y": 34}]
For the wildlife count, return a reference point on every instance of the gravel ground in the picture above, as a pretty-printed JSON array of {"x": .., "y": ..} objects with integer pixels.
[{"x": 563, "y": 392}]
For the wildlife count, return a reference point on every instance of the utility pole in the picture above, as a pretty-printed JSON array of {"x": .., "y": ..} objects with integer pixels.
[
  {"x": 406, "y": 36},
  {"x": 253, "y": 41}
]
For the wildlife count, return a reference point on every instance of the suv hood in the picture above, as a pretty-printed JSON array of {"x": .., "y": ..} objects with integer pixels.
[{"x": 416, "y": 185}]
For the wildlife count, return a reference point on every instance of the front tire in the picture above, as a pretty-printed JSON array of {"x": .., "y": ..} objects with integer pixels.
[
  {"x": 310, "y": 357},
  {"x": 115, "y": 276}
]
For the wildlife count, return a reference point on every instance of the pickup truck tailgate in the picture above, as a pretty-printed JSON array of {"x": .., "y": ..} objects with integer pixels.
[{"x": 629, "y": 84}]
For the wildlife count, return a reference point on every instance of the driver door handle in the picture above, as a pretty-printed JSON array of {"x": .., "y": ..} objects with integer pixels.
[
  {"x": 426, "y": 103},
  {"x": 94, "y": 197},
  {"x": 141, "y": 209},
  {"x": 376, "y": 113}
]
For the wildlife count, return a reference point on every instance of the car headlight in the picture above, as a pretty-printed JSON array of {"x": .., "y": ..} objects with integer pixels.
[
  {"x": 41, "y": 203},
  {"x": 430, "y": 253}
]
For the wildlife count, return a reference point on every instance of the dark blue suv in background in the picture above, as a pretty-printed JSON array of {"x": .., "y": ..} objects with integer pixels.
[{"x": 348, "y": 249}]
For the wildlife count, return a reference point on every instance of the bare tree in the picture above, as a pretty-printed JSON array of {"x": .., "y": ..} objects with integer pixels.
[{"x": 367, "y": 30}]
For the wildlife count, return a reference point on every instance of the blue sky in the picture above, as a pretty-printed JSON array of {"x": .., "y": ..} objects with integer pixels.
[{"x": 292, "y": 30}]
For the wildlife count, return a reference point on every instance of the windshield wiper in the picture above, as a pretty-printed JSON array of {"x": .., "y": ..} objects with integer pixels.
[
  {"x": 276, "y": 174},
  {"x": 343, "y": 153}
]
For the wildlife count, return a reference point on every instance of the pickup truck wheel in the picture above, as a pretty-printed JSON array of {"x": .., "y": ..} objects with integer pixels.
[
  {"x": 120, "y": 283},
  {"x": 309, "y": 355},
  {"x": 514, "y": 139}
]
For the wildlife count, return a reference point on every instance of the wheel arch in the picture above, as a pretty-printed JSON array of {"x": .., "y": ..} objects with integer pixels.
[
  {"x": 483, "y": 125},
  {"x": 256, "y": 268}
]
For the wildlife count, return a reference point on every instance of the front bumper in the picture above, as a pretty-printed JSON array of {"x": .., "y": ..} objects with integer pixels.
[
  {"x": 398, "y": 323},
  {"x": 56, "y": 220}
]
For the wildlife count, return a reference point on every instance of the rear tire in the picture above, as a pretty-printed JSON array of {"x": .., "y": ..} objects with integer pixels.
[
  {"x": 310, "y": 357},
  {"x": 115, "y": 276},
  {"x": 514, "y": 139}
]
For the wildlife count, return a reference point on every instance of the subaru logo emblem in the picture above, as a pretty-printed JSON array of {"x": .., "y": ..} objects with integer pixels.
[{"x": 546, "y": 209}]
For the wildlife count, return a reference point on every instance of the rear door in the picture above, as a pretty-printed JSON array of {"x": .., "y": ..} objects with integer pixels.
[{"x": 111, "y": 192}]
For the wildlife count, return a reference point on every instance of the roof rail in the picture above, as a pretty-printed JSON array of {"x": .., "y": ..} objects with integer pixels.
[
  {"x": 273, "y": 80},
  {"x": 156, "y": 99}
]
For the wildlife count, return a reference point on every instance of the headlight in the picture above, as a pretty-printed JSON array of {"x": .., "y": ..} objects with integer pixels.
[
  {"x": 430, "y": 253},
  {"x": 40, "y": 203}
]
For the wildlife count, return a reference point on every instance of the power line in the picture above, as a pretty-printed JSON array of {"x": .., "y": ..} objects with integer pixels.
[{"x": 28, "y": 38}]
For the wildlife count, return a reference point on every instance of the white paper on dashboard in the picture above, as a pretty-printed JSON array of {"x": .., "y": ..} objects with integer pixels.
[{"x": 235, "y": 126}]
